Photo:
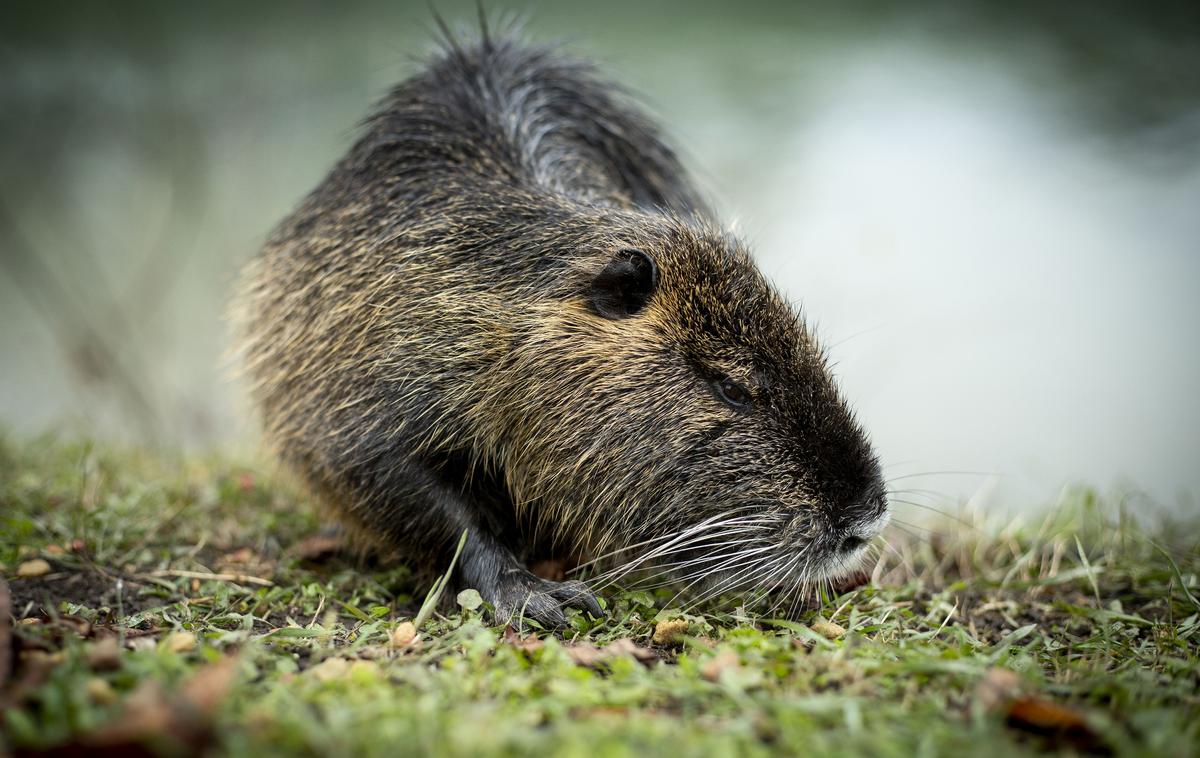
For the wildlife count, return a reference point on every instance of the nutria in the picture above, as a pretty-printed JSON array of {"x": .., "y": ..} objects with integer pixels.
[{"x": 507, "y": 312}]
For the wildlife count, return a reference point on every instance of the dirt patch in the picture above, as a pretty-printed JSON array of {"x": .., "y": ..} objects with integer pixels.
[{"x": 43, "y": 595}]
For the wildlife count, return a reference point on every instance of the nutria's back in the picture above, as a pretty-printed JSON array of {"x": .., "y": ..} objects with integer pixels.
[{"x": 507, "y": 311}]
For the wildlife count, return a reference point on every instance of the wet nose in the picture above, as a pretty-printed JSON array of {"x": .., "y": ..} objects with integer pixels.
[{"x": 850, "y": 543}]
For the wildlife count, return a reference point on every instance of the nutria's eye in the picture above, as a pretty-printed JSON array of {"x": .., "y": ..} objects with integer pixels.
[{"x": 734, "y": 394}]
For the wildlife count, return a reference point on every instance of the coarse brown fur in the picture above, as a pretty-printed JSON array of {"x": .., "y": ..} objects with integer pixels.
[{"x": 507, "y": 311}]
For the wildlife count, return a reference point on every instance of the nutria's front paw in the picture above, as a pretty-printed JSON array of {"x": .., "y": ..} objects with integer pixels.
[{"x": 520, "y": 594}]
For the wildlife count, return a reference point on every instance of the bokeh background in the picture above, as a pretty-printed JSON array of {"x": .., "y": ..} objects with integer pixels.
[{"x": 990, "y": 211}]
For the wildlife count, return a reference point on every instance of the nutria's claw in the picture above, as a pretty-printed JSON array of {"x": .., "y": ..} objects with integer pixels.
[{"x": 522, "y": 595}]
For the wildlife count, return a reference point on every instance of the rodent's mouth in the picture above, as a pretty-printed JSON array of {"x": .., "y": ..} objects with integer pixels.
[{"x": 789, "y": 578}]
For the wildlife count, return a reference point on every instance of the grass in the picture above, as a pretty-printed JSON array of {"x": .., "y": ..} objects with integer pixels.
[{"x": 174, "y": 616}]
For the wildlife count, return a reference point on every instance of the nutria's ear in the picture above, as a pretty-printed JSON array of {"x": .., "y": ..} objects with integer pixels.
[{"x": 625, "y": 285}]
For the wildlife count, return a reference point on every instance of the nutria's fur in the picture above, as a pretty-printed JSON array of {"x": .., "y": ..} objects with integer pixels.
[{"x": 507, "y": 311}]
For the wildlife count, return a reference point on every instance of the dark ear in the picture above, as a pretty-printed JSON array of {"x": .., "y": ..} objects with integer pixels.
[{"x": 625, "y": 285}]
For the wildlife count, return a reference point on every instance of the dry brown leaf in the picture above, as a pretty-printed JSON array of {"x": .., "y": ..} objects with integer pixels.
[
  {"x": 525, "y": 644},
  {"x": 586, "y": 654},
  {"x": 1000, "y": 692},
  {"x": 726, "y": 660},
  {"x": 626, "y": 646},
  {"x": 1061, "y": 724},
  {"x": 669, "y": 632},
  {"x": 35, "y": 567}
]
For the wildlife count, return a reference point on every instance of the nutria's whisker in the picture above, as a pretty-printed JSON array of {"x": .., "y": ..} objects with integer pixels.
[
  {"x": 941, "y": 473},
  {"x": 616, "y": 574},
  {"x": 677, "y": 576},
  {"x": 713, "y": 522}
]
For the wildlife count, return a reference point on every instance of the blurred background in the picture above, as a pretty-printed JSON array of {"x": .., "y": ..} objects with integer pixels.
[{"x": 990, "y": 211}]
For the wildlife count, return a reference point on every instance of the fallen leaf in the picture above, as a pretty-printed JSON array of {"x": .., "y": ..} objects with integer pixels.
[
  {"x": 669, "y": 632},
  {"x": 35, "y": 567},
  {"x": 526, "y": 645},
  {"x": 1062, "y": 724},
  {"x": 586, "y": 654},
  {"x": 999, "y": 691},
  {"x": 726, "y": 660},
  {"x": 828, "y": 629},
  {"x": 626, "y": 646}
]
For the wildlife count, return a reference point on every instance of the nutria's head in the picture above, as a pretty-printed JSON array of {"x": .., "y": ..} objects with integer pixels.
[{"x": 668, "y": 398}]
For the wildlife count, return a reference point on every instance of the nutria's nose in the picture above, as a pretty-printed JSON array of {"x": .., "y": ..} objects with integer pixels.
[{"x": 850, "y": 543}]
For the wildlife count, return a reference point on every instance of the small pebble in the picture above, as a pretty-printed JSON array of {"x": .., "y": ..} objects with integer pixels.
[
  {"x": 181, "y": 642},
  {"x": 36, "y": 567},
  {"x": 669, "y": 632},
  {"x": 330, "y": 669},
  {"x": 104, "y": 655},
  {"x": 828, "y": 629},
  {"x": 404, "y": 635}
]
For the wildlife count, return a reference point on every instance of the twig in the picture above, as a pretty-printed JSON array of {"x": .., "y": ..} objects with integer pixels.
[{"x": 239, "y": 578}]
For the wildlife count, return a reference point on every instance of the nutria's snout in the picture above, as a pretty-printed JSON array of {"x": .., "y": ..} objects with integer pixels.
[
  {"x": 865, "y": 522},
  {"x": 852, "y": 540},
  {"x": 836, "y": 543}
]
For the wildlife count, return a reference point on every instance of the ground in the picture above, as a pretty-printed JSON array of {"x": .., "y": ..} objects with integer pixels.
[{"x": 163, "y": 604}]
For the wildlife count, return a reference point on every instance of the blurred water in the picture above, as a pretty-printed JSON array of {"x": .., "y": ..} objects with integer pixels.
[{"x": 991, "y": 217}]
